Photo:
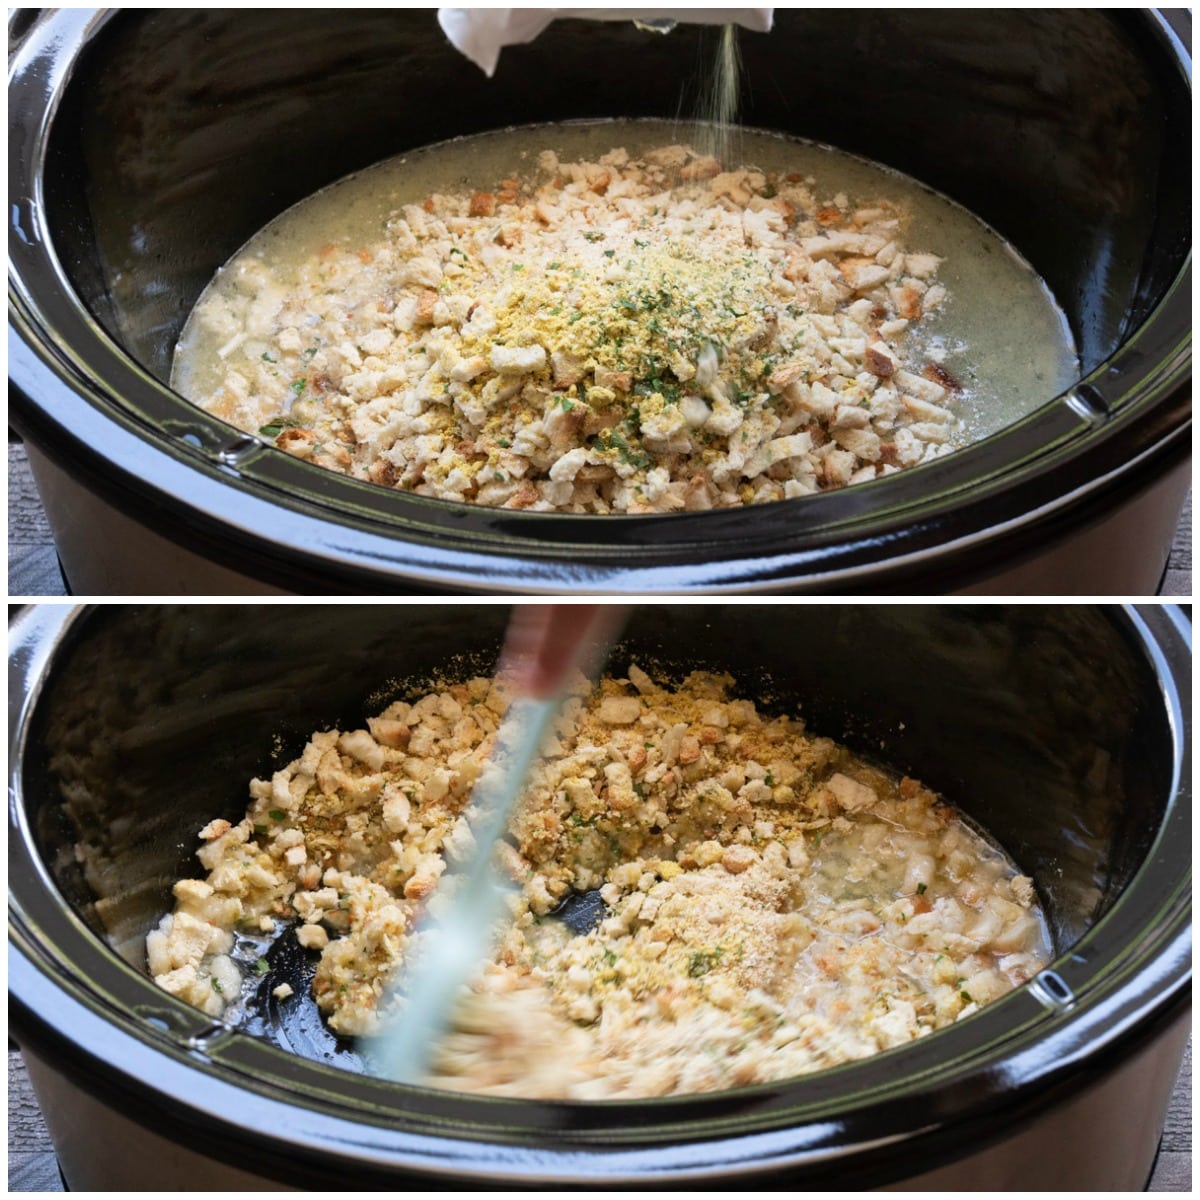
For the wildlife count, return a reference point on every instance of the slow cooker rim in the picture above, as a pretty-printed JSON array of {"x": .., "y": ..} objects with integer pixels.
[
  {"x": 447, "y": 554},
  {"x": 1158, "y": 626},
  {"x": 309, "y": 1160}
]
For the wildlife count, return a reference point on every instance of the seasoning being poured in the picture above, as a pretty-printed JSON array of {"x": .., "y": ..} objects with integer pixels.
[{"x": 717, "y": 111}]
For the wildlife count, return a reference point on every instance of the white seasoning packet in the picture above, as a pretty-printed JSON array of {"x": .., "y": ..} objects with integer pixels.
[{"x": 481, "y": 33}]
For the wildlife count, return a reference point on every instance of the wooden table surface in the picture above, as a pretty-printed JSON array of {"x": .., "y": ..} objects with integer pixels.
[
  {"x": 32, "y": 1166},
  {"x": 33, "y": 567}
]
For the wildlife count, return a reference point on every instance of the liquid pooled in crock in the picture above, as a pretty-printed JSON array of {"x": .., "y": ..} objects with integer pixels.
[
  {"x": 599, "y": 319},
  {"x": 773, "y": 904}
]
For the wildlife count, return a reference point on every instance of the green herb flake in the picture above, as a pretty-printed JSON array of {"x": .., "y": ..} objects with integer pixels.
[
  {"x": 702, "y": 961},
  {"x": 261, "y": 966},
  {"x": 920, "y": 889},
  {"x": 216, "y": 985},
  {"x": 274, "y": 427},
  {"x": 277, "y": 814}
]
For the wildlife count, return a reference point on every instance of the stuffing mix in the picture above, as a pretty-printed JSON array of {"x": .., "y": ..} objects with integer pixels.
[
  {"x": 774, "y": 905},
  {"x": 629, "y": 335}
]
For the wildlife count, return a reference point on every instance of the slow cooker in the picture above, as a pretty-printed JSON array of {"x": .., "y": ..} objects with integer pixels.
[
  {"x": 1065, "y": 731},
  {"x": 147, "y": 145}
]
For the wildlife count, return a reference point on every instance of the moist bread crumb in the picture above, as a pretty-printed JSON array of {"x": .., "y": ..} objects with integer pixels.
[
  {"x": 775, "y": 905},
  {"x": 626, "y": 335}
]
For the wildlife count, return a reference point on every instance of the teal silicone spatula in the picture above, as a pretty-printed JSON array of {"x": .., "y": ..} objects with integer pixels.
[{"x": 544, "y": 646}]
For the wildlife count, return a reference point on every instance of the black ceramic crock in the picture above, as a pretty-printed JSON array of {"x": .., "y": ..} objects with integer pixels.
[
  {"x": 147, "y": 145},
  {"x": 1064, "y": 730}
]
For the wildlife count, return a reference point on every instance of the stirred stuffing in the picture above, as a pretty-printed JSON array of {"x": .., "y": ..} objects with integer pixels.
[{"x": 773, "y": 904}]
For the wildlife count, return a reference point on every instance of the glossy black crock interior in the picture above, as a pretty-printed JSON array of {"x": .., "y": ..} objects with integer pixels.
[
  {"x": 1043, "y": 724},
  {"x": 183, "y": 132}
]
